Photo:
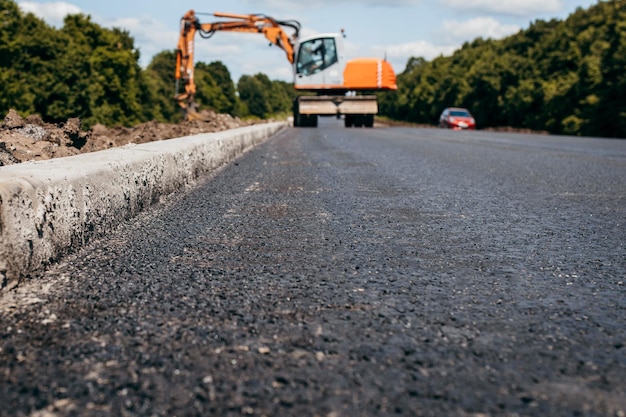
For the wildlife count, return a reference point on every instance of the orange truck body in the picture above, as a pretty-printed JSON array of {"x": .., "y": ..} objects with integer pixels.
[{"x": 368, "y": 74}]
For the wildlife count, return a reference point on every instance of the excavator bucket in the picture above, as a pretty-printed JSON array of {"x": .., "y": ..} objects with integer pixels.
[
  {"x": 189, "y": 108},
  {"x": 192, "y": 114}
]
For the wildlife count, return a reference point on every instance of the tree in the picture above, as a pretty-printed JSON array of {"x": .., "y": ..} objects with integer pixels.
[
  {"x": 210, "y": 93},
  {"x": 252, "y": 93},
  {"x": 262, "y": 97},
  {"x": 113, "y": 87},
  {"x": 87, "y": 71},
  {"x": 566, "y": 77},
  {"x": 158, "y": 93},
  {"x": 28, "y": 52},
  {"x": 224, "y": 82}
]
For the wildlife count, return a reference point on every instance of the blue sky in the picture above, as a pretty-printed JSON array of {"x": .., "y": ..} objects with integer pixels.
[{"x": 395, "y": 29}]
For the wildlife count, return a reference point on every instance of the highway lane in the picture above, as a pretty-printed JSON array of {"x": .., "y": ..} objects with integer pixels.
[{"x": 332, "y": 272}]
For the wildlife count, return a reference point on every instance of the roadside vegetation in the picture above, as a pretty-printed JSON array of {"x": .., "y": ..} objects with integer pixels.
[
  {"x": 87, "y": 71},
  {"x": 564, "y": 77}
]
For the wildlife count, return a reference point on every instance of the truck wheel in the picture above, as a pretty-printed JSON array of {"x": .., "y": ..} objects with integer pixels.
[
  {"x": 348, "y": 121},
  {"x": 369, "y": 120},
  {"x": 307, "y": 120},
  {"x": 296, "y": 114}
]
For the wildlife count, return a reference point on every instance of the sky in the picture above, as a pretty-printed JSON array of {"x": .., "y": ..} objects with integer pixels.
[{"x": 393, "y": 29}]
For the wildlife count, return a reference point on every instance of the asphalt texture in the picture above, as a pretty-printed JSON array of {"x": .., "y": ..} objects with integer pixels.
[{"x": 345, "y": 272}]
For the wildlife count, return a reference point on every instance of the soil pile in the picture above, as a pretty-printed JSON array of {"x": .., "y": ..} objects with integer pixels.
[{"x": 32, "y": 139}]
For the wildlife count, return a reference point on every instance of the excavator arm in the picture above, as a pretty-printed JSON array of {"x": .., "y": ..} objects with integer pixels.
[{"x": 272, "y": 29}]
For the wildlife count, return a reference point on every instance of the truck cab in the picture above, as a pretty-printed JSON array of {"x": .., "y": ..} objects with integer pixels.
[{"x": 319, "y": 63}]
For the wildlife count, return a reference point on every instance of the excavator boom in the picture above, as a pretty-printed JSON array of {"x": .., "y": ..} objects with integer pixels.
[{"x": 272, "y": 29}]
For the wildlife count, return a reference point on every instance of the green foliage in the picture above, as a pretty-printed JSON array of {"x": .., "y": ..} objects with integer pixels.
[
  {"x": 566, "y": 77},
  {"x": 227, "y": 92},
  {"x": 158, "y": 97},
  {"x": 81, "y": 70},
  {"x": 87, "y": 71},
  {"x": 25, "y": 59},
  {"x": 253, "y": 93},
  {"x": 262, "y": 98},
  {"x": 215, "y": 89},
  {"x": 158, "y": 89}
]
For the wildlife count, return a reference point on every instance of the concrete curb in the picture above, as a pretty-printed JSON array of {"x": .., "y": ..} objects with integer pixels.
[{"x": 50, "y": 208}]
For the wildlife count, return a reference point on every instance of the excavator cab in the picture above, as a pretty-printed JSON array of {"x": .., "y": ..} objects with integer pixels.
[
  {"x": 320, "y": 66},
  {"x": 319, "y": 61}
]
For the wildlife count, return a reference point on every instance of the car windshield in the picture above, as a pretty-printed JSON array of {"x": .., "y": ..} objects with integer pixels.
[{"x": 460, "y": 113}]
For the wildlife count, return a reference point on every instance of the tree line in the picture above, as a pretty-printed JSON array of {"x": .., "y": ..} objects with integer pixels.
[
  {"x": 91, "y": 72},
  {"x": 565, "y": 77}
]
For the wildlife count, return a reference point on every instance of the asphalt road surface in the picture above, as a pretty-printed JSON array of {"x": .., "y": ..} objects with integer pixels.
[{"x": 345, "y": 272}]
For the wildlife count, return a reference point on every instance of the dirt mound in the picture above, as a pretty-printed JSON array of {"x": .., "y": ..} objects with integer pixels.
[{"x": 32, "y": 139}]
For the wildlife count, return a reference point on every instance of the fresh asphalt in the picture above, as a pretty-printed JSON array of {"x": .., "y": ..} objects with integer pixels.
[{"x": 345, "y": 272}]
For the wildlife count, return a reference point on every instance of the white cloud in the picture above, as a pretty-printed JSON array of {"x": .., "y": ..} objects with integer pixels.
[
  {"x": 509, "y": 7},
  {"x": 398, "y": 55},
  {"x": 449, "y": 38},
  {"x": 291, "y": 5},
  {"x": 412, "y": 49},
  {"x": 52, "y": 13},
  {"x": 480, "y": 27},
  {"x": 150, "y": 35}
]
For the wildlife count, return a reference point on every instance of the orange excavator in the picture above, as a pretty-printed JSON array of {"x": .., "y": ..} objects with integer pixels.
[{"x": 319, "y": 65}]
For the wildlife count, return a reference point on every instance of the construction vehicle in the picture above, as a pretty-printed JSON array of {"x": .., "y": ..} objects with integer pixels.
[{"x": 319, "y": 66}]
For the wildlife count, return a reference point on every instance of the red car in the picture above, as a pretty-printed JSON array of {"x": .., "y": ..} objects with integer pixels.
[{"x": 457, "y": 118}]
